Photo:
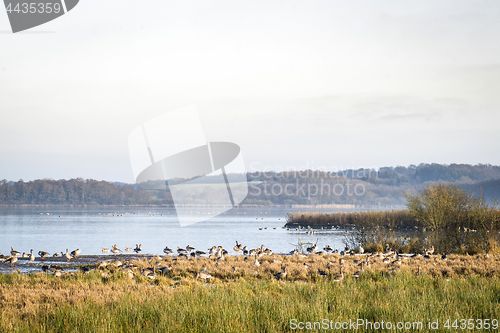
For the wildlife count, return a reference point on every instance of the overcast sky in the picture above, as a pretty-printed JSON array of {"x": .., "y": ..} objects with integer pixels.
[{"x": 295, "y": 83}]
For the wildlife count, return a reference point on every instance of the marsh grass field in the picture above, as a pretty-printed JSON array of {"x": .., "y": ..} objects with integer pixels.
[{"x": 162, "y": 294}]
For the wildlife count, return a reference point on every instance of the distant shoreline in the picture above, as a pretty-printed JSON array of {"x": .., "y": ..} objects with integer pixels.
[{"x": 335, "y": 206}]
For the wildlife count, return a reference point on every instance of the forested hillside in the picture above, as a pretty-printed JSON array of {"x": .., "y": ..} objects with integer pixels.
[{"x": 383, "y": 187}]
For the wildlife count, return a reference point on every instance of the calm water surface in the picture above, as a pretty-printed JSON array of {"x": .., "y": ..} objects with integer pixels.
[{"x": 90, "y": 229}]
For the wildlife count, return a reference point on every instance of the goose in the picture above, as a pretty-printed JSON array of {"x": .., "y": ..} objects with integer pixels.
[
  {"x": 256, "y": 262},
  {"x": 312, "y": 249},
  {"x": 430, "y": 251},
  {"x": 358, "y": 273},
  {"x": 128, "y": 249},
  {"x": 189, "y": 248},
  {"x": 116, "y": 250},
  {"x": 346, "y": 249},
  {"x": 68, "y": 255},
  {"x": 340, "y": 276},
  {"x": 43, "y": 254},
  {"x": 75, "y": 253},
  {"x": 181, "y": 251},
  {"x": 167, "y": 250},
  {"x": 55, "y": 255},
  {"x": 322, "y": 273},
  {"x": 32, "y": 256},
  {"x": 14, "y": 252},
  {"x": 361, "y": 250},
  {"x": 12, "y": 260},
  {"x": 245, "y": 250},
  {"x": 211, "y": 250},
  {"x": 204, "y": 275},
  {"x": 444, "y": 257},
  {"x": 327, "y": 248},
  {"x": 199, "y": 253},
  {"x": 138, "y": 249},
  {"x": 238, "y": 247},
  {"x": 25, "y": 255},
  {"x": 282, "y": 274},
  {"x": 104, "y": 249}
]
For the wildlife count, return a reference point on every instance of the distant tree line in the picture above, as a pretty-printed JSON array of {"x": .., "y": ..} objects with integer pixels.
[
  {"x": 366, "y": 187},
  {"x": 72, "y": 192}
]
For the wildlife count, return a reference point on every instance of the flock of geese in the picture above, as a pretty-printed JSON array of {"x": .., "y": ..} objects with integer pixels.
[
  {"x": 218, "y": 253},
  {"x": 12, "y": 258}
]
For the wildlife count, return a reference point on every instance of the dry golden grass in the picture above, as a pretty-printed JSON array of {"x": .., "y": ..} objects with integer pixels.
[{"x": 121, "y": 296}]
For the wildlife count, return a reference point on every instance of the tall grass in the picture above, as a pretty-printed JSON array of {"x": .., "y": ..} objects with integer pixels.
[
  {"x": 125, "y": 305},
  {"x": 251, "y": 298}
]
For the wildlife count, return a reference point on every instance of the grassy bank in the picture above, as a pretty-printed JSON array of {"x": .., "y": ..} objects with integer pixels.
[{"x": 249, "y": 299}]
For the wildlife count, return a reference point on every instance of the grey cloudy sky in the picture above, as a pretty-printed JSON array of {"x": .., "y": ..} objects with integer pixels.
[{"x": 334, "y": 84}]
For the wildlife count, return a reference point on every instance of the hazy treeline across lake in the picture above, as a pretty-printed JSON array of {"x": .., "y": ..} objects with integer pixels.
[{"x": 362, "y": 187}]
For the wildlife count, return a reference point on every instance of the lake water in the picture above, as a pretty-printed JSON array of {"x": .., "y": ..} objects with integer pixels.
[{"x": 90, "y": 229}]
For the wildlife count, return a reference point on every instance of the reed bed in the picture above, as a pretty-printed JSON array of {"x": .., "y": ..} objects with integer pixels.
[
  {"x": 385, "y": 218},
  {"x": 118, "y": 296}
]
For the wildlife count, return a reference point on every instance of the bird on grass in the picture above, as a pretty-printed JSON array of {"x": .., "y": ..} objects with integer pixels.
[
  {"x": 204, "y": 275},
  {"x": 340, "y": 276},
  {"x": 282, "y": 274},
  {"x": 167, "y": 250},
  {"x": 76, "y": 252}
]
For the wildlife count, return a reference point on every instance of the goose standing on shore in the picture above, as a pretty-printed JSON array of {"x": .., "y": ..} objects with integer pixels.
[
  {"x": 138, "y": 249},
  {"x": 14, "y": 252},
  {"x": 76, "y": 252},
  {"x": 104, "y": 250},
  {"x": 12, "y": 260},
  {"x": 68, "y": 255},
  {"x": 360, "y": 249},
  {"x": 116, "y": 250},
  {"x": 189, "y": 248},
  {"x": 43, "y": 254},
  {"x": 32, "y": 256},
  {"x": 167, "y": 250},
  {"x": 238, "y": 247}
]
